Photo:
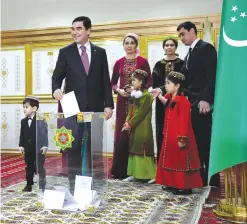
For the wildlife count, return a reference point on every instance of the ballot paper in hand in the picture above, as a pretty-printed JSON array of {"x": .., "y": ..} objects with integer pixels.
[{"x": 69, "y": 104}]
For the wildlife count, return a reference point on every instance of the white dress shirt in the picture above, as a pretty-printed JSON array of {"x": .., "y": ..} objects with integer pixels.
[
  {"x": 30, "y": 121},
  {"x": 88, "y": 49},
  {"x": 194, "y": 43},
  {"x": 192, "y": 47}
]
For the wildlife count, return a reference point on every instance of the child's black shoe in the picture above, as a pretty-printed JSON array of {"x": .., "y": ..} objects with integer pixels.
[{"x": 28, "y": 188}]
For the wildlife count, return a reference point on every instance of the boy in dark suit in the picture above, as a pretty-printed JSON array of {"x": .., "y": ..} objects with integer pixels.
[{"x": 29, "y": 144}]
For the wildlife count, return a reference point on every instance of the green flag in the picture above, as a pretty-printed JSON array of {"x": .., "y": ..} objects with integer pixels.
[{"x": 229, "y": 132}]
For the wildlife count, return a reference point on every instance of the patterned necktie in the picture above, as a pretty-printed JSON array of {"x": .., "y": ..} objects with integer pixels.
[
  {"x": 187, "y": 59},
  {"x": 84, "y": 58}
]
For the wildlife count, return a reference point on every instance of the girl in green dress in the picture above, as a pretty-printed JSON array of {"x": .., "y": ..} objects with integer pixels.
[{"x": 141, "y": 161}]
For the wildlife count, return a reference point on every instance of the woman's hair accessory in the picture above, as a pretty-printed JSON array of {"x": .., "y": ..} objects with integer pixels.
[{"x": 132, "y": 35}]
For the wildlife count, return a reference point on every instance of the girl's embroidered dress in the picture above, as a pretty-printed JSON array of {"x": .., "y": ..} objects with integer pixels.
[
  {"x": 178, "y": 167},
  {"x": 141, "y": 162}
]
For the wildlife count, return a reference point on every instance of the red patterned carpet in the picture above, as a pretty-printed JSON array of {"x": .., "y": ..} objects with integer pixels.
[
  {"x": 13, "y": 168},
  {"x": 207, "y": 216},
  {"x": 13, "y": 171}
]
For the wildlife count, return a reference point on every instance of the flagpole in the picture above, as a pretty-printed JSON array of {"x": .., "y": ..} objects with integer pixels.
[
  {"x": 226, "y": 186},
  {"x": 228, "y": 132},
  {"x": 245, "y": 184},
  {"x": 234, "y": 208},
  {"x": 236, "y": 185},
  {"x": 230, "y": 184},
  {"x": 242, "y": 185}
]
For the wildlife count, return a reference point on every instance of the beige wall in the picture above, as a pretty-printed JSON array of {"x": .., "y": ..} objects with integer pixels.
[
  {"x": 26, "y": 14},
  {"x": 23, "y": 78}
]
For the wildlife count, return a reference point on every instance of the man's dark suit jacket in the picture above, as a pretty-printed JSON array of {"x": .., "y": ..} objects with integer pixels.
[
  {"x": 28, "y": 139},
  {"x": 201, "y": 73},
  {"x": 93, "y": 91}
]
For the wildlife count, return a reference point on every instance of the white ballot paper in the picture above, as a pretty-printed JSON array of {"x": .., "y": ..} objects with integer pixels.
[
  {"x": 68, "y": 196},
  {"x": 83, "y": 182},
  {"x": 70, "y": 203},
  {"x": 53, "y": 199},
  {"x": 69, "y": 104},
  {"x": 62, "y": 199},
  {"x": 83, "y": 194}
]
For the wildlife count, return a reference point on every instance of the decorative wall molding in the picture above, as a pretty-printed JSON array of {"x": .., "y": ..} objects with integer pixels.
[
  {"x": 151, "y": 33},
  {"x": 106, "y": 30},
  {"x": 14, "y": 152},
  {"x": 13, "y": 72}
]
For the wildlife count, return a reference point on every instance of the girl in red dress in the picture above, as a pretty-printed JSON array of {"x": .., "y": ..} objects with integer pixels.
[{"x": 179, "y": 164}]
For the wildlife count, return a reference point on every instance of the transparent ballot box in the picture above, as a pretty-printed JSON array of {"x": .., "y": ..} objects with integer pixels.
[{"x": 73, "y": 173}]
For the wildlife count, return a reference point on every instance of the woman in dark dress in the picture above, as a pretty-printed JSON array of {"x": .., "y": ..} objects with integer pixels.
[{"x": 161, "y": 69}]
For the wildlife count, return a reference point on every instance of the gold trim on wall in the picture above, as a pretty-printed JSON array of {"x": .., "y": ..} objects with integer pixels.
[
  {"x": 151, "y": 38},
  {"x": 143, "y": 46},
  {"x": 57, "y": 37},
  {"x": 47, "y": 98},
  {"x": 100, "y": 31},
  {"x": 42, "y": 46},
  {"x": 174, "y": 35},
  {"x": 12, "y": 48},
  {"x": 11, "y": 98},
  {"x": 43, "y": 99},
  {"x": 216, "y": 32},
  {"x": 35, "y": 39},
  {"x": 16, "y": 152},
  {"x": 28, "y": 68},
  {"x": 216, "y": 21},
  {"x": 20, "y": 101}
]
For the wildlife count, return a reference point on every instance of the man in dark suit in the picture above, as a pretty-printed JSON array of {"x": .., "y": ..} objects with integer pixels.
[
  {"x": 33, "y": 144},
  {"x": 200, "y": 71},
  {"x": 85, "y": 68}
]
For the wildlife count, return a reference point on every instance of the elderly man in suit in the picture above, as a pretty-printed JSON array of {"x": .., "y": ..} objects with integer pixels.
[{"x": 85, "y": 67}]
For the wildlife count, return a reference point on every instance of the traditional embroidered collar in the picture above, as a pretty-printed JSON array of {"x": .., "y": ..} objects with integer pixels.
[
  {"x": 169, "y": 97},
  {"x": 164, "y": 61},
  {"x": 172, "y": 102}
]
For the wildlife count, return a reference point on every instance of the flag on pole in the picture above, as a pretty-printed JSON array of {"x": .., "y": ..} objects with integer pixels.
[{"x": 229, "y": 131}]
